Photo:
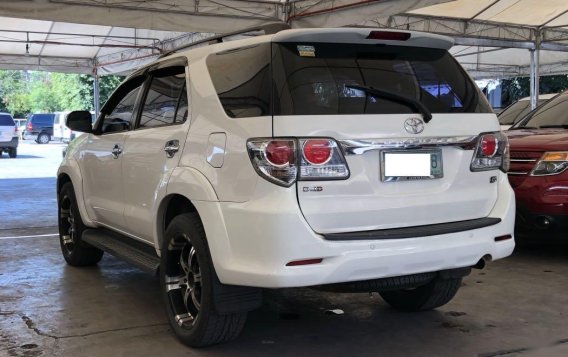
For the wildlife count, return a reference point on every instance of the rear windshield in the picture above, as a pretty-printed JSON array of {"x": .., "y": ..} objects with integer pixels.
[
  {"x": 550, "y": 114},
  {"x": 315, "y": 78},
  {"x": 6, "y": 120}
]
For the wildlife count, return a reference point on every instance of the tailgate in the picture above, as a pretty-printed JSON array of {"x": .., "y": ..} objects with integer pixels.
[{"x": 368, "y": 201}]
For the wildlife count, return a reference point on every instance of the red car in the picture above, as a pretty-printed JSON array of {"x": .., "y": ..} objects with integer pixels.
[{"x": 539, "y": 169}]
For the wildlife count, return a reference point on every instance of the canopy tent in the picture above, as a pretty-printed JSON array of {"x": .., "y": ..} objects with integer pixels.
[
  {"x": 115, "y": 36},
  {"x": 498, "y": 38},
  {"x": 495, "y": 38}
]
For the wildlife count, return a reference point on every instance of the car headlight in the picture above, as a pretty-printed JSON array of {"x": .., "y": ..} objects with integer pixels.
[{"x": 551, "y": 163}]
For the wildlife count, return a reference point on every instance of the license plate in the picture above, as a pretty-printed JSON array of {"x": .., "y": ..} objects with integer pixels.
[{"x": 411, "y": 165}]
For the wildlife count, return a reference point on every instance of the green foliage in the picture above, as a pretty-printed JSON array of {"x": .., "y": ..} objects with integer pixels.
[
  {"x": 13, "y": 89},
  {"x": 518, "y": 87},
  {"x": 23, "y": 92}
]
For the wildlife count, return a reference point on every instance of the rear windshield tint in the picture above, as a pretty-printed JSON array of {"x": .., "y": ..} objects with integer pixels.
[
  {"x": 6, "y": 120},
  {"x": 314, "y": 79}
]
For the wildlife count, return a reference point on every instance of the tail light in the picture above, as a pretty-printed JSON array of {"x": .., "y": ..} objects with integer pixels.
[
  {"x": 29, "y": 126},
  {"x": 491, "y": 152},
  {"x": 281, "y": 161},
  {"x": 15, "y": 129}
]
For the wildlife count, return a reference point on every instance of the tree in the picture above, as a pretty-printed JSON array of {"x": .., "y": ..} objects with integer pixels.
[
  {"x": 13, "y": 92},
  {"x": 513, "y": 89},
  {"x": 23, "y": 92}
]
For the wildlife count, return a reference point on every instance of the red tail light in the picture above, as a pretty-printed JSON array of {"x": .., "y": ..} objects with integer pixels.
[
  {"x": 491, "y": 152},
  {"x": 488, "y": 145},
  {"x": 388, "y": 35},
  {"x": 29, "y": 126},
  {"x": 279, "y": 161},
  {"x": 279, "y": 152},
  {"x": 317, "y": 151},
  {"x": 15, "y": 129}
]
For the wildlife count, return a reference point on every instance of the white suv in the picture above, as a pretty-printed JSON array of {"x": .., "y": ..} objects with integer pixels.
[
  {"x": 350, "y": 159},
  {"x": 9, "y": 137}
]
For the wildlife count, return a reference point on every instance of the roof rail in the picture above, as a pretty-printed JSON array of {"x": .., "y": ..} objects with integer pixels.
[{"x": 268, "y": 28}]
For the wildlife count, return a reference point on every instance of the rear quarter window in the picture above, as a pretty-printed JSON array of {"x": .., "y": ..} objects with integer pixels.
[
  {"x": 6, "y": 120},
  {"x": 242, "y": 80}
]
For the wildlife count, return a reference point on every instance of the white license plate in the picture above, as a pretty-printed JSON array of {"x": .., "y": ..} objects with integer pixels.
[{"x": 411, "y": 165}]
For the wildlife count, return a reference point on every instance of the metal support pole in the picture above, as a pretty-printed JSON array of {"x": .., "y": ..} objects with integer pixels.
[
  {"x": 532, "y": 77},
  {"x": 536, "y": 76},
  {"x": 96, "y": 92}
]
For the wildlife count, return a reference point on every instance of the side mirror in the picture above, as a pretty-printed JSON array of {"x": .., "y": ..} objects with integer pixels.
[{"x": 79, "y": 121}]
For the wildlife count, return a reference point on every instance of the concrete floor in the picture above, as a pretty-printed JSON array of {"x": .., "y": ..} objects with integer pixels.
[{"x": 515, "y": 307}]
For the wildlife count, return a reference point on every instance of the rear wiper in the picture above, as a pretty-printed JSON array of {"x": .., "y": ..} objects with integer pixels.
[
  {"x": 563, "y": 126},
  {"x": 409, "y": 102}
]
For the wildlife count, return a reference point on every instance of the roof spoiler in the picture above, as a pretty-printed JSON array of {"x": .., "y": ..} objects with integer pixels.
[{"x": 268, "y": 28}]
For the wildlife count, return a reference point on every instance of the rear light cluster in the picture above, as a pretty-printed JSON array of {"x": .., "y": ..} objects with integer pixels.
[
  {"x": 551, "y": 163},
  {"x": 491, "y": 152},
  {"x": 284, "y": 161}
]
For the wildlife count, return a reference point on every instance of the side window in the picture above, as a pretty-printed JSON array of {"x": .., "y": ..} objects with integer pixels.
[
  {"x": 242, "y": 80},
  {"x": 121, "y": 107},
  {"x": 166, "y": 87}
]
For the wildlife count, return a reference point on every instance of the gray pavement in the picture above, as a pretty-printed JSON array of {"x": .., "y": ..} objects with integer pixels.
[
  {"x": 515, "y": 307},
  {"x": 27, "y": 186}
]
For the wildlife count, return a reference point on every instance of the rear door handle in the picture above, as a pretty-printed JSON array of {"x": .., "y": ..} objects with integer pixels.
[
  {"x": 171, "y": 148},
  {"x": 116, "y": 151}
]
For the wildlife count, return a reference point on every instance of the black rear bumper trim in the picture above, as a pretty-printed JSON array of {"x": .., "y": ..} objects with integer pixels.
[{"x": 415, "y": 232}]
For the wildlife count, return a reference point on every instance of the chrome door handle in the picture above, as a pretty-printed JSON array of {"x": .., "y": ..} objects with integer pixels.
[
  {"x": 116, "y": 151},
  {"x": 171, "y": 148}
]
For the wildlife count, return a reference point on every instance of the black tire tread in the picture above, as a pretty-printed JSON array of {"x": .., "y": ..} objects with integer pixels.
[
  {"x": 437, "y": 293},
  {"x": 383, "y": 284},
  {"x": 216, "y": 328}
]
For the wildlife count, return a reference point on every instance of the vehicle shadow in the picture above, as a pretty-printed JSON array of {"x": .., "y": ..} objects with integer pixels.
[{"x": 21, "y": 157}]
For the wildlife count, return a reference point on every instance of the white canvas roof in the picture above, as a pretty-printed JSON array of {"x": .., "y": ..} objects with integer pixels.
[
  {"x": 116, "y": 35},
  {"x": 493, "y": 36}
]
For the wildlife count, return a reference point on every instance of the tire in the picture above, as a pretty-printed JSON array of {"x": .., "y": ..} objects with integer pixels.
[
  {"x": 436, "y": 293},
  {"x": 187, "y": 277},
  {"x": 43, "y": 138},
  {"x": 71, "y": 227},
  {"x": 13, "y": 153}
]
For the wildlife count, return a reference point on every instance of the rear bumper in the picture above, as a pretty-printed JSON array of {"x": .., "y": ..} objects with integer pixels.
[
  {"x": 29, "y": 136},
  {"x": 269, "y": 232},
  {"x": 9, "y": 144}
]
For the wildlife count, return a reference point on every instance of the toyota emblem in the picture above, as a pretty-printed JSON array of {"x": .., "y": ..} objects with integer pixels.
[{"x": 414, "y": 125}]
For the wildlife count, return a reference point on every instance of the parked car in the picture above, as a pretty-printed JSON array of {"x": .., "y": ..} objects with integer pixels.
[
  {"x": 517, "y": 110},
  {"x": 8, "y": 135},
  {"x": 351, "y": 159},
  {"x": 40, "y": 128},
  {"x": 21, "y": 124},
  {"x": 539, "y": 170}
]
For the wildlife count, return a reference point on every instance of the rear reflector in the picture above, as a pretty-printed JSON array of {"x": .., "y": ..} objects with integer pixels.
[
  {"x": 304, "y": 262},
  {"x": 388, "y": 35},
  {"x": 505, "y": 237}
]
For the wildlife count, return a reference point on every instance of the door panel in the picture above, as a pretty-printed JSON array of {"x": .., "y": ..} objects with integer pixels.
[
  {"x": 153, "y": 149},
  {"x": 102, "y": 179},
  {"x": 147, "y": 169}
]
